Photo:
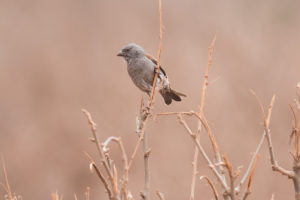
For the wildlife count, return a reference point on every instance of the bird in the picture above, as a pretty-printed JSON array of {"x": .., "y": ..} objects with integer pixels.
[{"x": 141, "y": 69}]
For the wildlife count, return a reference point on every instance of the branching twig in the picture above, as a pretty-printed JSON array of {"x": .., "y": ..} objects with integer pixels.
[
  {"x": 274, "y": 162},
  {"x": 201, "y": 149},
  {"x": 211, "y": 186},
  {"x": 104, "y": 161},
  {"x": 252, "y": 162},
  {"x": 99, "y": 174},
  {"x": 205, "y": 84},
  {"x": 118, "y": 140},
  {"x": 231, "y": 177},
  {"x": 253, "y": 159},
  {"x": 96, "y": 139},
  {"x": 144, "y": 114},
  {"x": 248, "y": 191},
  {"x": 295, "y": 174}
]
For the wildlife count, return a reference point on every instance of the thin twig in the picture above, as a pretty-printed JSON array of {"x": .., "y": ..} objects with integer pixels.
[
  {"x": 7, "y": 186},
  {"x": 195, "y": 171},
  {"x": 273, "y": 197},
  {"x": 201, "y": 149},
  {"x": 87, "y": 193},
  {"x": 248, "y": 191},
  {"x": 138, "y": 144},
  {"x": 231, "y": 176},
  {"x": 125, "y": 164},
  {"x": 160, "y": 195},
  {"x": 212, "y": 186},
  {"x": 144, "y": 115},
  {"x": 295, "y": 133},
  {"x": 203, "y": 94},
  {"x": 146, "y": 150},
  {"x": 208, "y": 66},
  {"x": 275, "y": 166},
  {"x": 253, "y": 159},
  {"x": 118, "y": 140},
  {"x": 100, "y": 150},
  {"x": 100, "y": 175},
  {"x": 274, "y": 162},
  {"x": 252, "y": 162},
  {"x": 157, "y": 68}
]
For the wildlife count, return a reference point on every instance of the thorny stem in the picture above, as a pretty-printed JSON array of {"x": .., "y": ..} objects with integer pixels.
[
  {"x": 201, "y": 149},
  {"x": 203, "y": 93}
]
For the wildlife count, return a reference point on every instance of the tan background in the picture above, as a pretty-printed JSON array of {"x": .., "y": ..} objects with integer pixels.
[{"x": 59, "y": 56}]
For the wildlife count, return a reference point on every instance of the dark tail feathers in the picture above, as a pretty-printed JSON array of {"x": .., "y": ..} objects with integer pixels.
[{"x": 169, "y": 95}]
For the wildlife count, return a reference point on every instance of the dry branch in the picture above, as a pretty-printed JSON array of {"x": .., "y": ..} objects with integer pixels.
[
  {"x": 144, "y": 114},
  {"x": 203, "y": 94},
  {"x": 6, "y": 186},
  {"x": 293, "y": 174},
  {"x": 212, "y": 186},
  {"x": 248, "y": 191},
  {"x": 232, "y": 177},
  {"x": 201, "y": 149},
  {"x": 99, "y": 174},
  {"x": 105, "y": 160}
]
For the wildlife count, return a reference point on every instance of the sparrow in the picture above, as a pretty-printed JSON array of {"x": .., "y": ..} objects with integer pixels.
[{"x": 141, "y": 69}]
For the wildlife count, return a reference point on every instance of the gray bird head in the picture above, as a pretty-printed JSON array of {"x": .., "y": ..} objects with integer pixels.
[{"x": 131, "y": 51}]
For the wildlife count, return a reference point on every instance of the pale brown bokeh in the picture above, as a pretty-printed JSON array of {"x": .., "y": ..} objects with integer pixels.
[{"x": 57, "y": 57}]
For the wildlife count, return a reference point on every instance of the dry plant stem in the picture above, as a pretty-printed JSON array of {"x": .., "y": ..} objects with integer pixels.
[
  {"x": 55, "y": 196},
  {"x": 211, "y": 186},
  {"x": 100, "y": 175},
  {"x": 142, "y": 120},
  {"x": 202, "y": 151},
  {"x": 96, "y": 139},
  {"x": 205, "y": 84},
  {"x": 160, "y": 195},
  {"x": 104, "y": 161},
  {"x": 118, "y": 140},
  {"x": 158, "y": 55},
  {"x": 252, "y": 162},
  {"x": 211, "y": 136},
  {"x": 197, "y": 143},
  {"x": 254, "y": 157},
  {"x": 295, "y": 174},
  {"x": 147, "y": 166},
  {"x": 273, "y": 197},
  {"x": 248, "y": 191},
  {"x": 195, "y": 171},
  {"x": 6, "y": 186},
  {"x": 231, "y": 178},
  {"x": 87, "y": 193}
]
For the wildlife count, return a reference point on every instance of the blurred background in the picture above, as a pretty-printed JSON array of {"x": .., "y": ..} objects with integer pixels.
[{"x": 59, "y": 56}]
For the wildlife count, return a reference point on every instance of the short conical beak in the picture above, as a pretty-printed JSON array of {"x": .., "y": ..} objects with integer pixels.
[{"x": 120, "y": 54}]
